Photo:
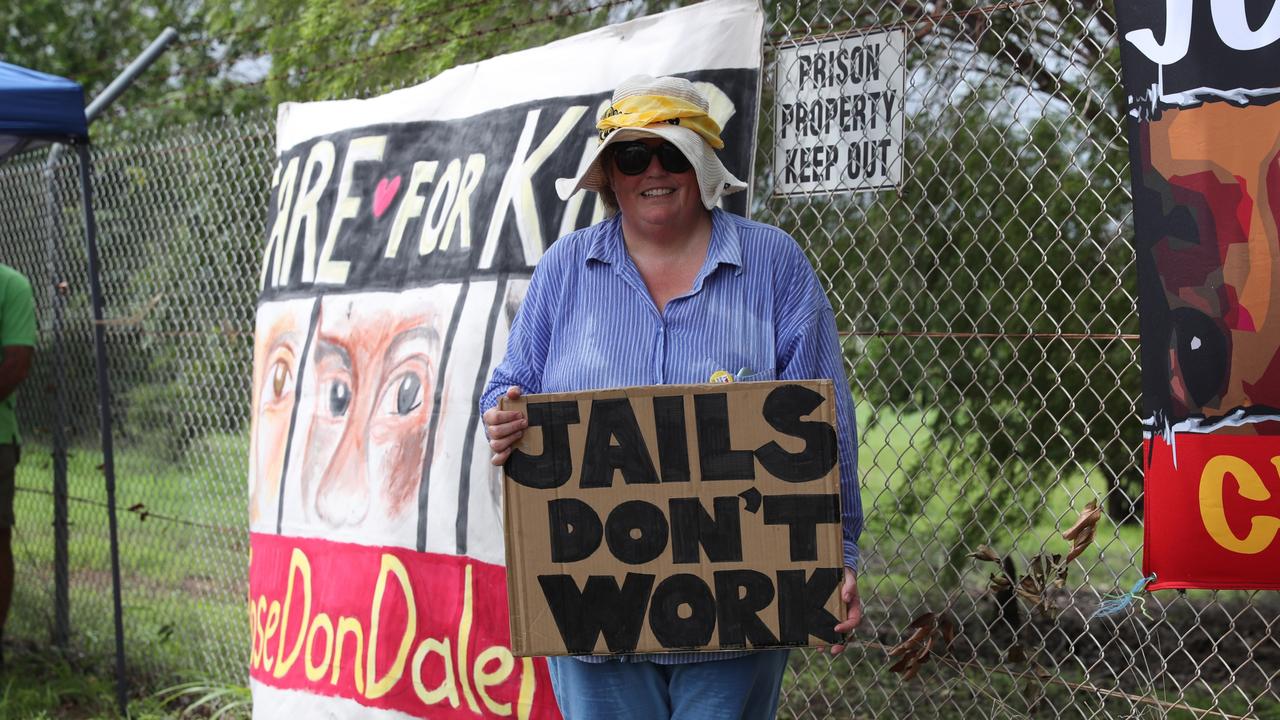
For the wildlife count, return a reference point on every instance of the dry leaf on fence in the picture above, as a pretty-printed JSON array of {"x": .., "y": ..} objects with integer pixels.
[
  {"x": 985, "y": 553},
  {"x": 1082, "y": 533},
  {"x": 1045, "y": 570},
  {"x": 1087, "y": 520},
  {"x": 999, "y": 583},
  {"x": 928, "y": 632}
]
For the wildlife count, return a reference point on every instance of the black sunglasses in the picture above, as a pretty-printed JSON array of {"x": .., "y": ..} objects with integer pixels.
[{"x": 632, "y": 158}]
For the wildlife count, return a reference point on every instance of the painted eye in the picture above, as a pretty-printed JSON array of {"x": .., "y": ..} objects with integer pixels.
[
  {"x": 1202, "y": 352},
  {"x": 402, "y": 394},
  {"x": 408, "y": 394},
  {"x": 280, "y": 376},
  {"x": 339, "y": 398},
  {"x": 277, "y": 386}
]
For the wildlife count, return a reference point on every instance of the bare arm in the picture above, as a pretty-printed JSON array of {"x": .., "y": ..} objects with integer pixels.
[{"x": 14, "y": 368}]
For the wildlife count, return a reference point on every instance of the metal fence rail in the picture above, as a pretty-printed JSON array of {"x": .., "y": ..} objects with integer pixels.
[{"x": 987, "y": 306}]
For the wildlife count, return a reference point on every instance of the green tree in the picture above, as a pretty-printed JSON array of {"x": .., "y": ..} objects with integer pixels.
[
  {"x": 988, "y": 293},
  {"x": 184, "y": 163},
  {"x": 92, "y": 41},
  {"x": 322, "y": 49},
  {"x": 1001, "y": 259}
]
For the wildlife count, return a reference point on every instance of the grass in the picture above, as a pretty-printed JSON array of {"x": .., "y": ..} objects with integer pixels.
[
  {"x": 820, "y": 687},
  {"x": 910, "y": 518},
  {"x": 41, "y": 685},
  {"x": 183, "y": 558}
]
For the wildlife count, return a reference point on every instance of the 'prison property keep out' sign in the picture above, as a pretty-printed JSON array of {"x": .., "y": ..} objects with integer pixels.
[
  {"x": 674, "y": 517},
  {"x": 838, "y": 121}
]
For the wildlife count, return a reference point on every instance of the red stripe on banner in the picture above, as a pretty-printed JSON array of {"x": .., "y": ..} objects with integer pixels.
[
  {"x": 391, "y": 628},
  {"x": 1213, "y": 519}
]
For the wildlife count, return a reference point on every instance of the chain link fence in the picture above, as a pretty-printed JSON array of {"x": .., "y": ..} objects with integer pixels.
[
  {"x": 987, "y": 305},
  {"x": 177, "y": 214}
]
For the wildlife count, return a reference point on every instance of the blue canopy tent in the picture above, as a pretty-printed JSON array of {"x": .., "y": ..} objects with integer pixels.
[{"x": 37, "y": 109}]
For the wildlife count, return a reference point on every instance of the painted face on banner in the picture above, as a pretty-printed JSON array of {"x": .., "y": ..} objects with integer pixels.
[
  {"x": 374, "y": 360},
  {"x": 1214, "y": 171},
  {"x": 278, "y": 346}
]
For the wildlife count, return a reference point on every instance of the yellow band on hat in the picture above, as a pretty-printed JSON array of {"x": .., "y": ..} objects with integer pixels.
[{"x": 638, "y": 111}]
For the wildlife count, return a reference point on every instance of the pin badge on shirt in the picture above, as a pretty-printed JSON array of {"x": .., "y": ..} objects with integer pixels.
[{"x": 723, "y": 376}]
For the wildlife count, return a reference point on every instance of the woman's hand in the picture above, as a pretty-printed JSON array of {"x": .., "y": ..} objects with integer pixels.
[
  {"x": 848, "y": 593},
  {"x": 504, "y": 428}
]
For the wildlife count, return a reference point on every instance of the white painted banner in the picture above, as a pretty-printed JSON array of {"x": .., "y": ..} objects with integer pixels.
[{"x": 400, "y": 237}]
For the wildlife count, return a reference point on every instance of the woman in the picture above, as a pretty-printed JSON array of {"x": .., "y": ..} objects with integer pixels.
[{"x": 672, "y": 289}]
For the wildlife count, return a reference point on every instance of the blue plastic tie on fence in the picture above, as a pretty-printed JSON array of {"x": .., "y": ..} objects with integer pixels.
[{"x": 1116, "y": 604}]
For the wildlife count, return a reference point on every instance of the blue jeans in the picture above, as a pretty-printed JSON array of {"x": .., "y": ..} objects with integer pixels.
[{"x": 743, "y": 688}]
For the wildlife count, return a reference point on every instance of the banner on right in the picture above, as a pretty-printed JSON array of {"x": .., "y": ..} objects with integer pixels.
[{"x": 1202, "y": 79}]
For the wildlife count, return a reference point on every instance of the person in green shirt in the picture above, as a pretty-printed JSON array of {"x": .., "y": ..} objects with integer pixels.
[{"x": 17, "y": 344}]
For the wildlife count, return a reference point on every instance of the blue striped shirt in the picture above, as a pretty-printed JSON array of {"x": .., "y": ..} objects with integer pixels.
[{"x": 588, "y": 322}]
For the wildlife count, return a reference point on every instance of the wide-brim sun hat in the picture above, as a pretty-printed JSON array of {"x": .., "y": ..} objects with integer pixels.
[{"x": 670, "y": 108}]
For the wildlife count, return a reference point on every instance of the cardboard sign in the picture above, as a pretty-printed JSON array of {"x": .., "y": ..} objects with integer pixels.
[
  {"x": 674, "y": 518},
  {"x": 839, "y": 117}
]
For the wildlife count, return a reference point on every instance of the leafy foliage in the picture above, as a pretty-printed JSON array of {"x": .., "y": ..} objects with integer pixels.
[
  {"x": 322, "y": 49},
  {"x": 987, "y": 297},
  {"x": 206, "y": 698},
  {"x": 183, "y": 163},
  {"x": 92, "y": 41},
  {"x": 990, "y": 294}
]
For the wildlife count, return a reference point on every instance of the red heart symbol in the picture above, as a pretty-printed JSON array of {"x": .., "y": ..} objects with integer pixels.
[{"x": 384, "y": 194}]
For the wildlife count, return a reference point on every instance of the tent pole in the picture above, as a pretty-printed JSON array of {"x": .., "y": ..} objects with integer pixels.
[{"x": 104, "y": 413}]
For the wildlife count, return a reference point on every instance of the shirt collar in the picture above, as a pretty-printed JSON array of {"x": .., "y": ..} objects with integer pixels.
[
  {"x": 606, "y": 242},
  {"x": 725, "y": 247}
]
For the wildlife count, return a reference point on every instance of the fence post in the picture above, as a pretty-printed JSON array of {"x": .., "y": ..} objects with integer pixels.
[
  {"x": 55, "y": 270},
  {"x": 61, "y": 595}
]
